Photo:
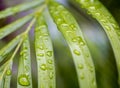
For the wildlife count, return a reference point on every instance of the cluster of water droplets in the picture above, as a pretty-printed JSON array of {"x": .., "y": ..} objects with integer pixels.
[
  {"x": 69, "y": 28},
  {"x": 99, "y": 12},
  {"x": 44, "y": 54},
  {"x": 24, "y": 77}
]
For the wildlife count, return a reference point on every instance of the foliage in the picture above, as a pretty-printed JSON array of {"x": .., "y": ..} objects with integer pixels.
[{"x": 68, "y": 26}]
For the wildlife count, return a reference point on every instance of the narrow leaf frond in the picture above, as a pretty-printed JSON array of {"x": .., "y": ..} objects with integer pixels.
[
  {"x": 68, "y": 26},
  {"x": 9, "y": 47},
  {"x": 14, "y": 26},
  {"x": 24, "y": 79},
  {"x": 44, "y": 55},
  {"x": 19, "y": 8},
  {"x": 112, "y": 29}
]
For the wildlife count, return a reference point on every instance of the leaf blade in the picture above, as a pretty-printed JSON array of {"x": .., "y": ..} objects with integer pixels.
[
  {"x": 9, "y": 47},
  {"x": 80, "y": 52},
  {"x": 44, "y": 55},
  {"x": 24, "y": 79},
  {"x": 14, "y": 26},
  {"x": 110, "y": 26},
  {"x": 19, "y": 8}
]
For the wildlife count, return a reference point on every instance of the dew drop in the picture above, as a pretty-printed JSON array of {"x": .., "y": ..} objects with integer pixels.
[
  {"x": 8, "y": 72},
  {"x": 43, "y": 67},
  {"x": 80, "y": 66},
  {"x": 87, "y": 55},
  {"x": 49, "y": 53},
  {"x": 93, "y": 82},
  {"x": 107, "y": 27},
  {"x": 26, "y": 68},
  {"x": 41, "y": 47},
  {"x": 74, "y": 40},
  {"x": 73, "y": 27},
  {"x": 91, "y": 68},
  {"x": 59, "y": 21},
  {"x": 97, "y": 14},
  {"x": 23, "y": 80},
  {"x": 76, "y": 52},
  {"x": 41, "y": 54},
  {"x": 51, "y": 75},
  {"x": 82, "y": 76},
  {"x": 92, "y": 8},
  {"x": 64, "y": 25},
  {"x": 50, "y": 68},
  {"x": 79, "y": 40},
  {"x": 50, "y": 61}
]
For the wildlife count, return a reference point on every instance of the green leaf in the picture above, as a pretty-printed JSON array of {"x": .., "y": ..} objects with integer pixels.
[
  {"x": 1, "y": 75},
  {"x": 19, "y": 8},
  {"x": 5, "y": 74},
  {"x": 112, "y": 29},
  {"x": 44, "y": 55},
  {"x": 24, "y": 79},
  {"x": 14, "y": 26},
  {"x": 8, "y": 74},
  {"x": 8, "y": 48},
  {"x": 68, "y": 26}
]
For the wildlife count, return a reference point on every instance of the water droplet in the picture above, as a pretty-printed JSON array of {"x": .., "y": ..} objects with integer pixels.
[
  {"x": 43, "y": 67},
  {"x": 51, "y": 75},
  {"x": 64, "y": 25},
  {"x": 50, "y": 68},
  {"x": 74, "y": 40},
  {"x": 107, "y": 27},
  {"x": 26, "y": 68},
  {"x": 97, "y": 14},
  {"x": 41, "y": 54},
  {"x": 50, "y": 61},
  {"x": 8, "y": 72},
  {"x": 23, "y": 80},
  {"x": 82, "y": 76},
  {"x": 92, "y": 8},
  {"x": 21, "y": 53},
  {"x": 60, "y": 7},
  {"x": 93, "y": 82},
  {"x": 41, "y": 47},
  {"x": 73, "y": 27},
  {"x": 59, "y": 21},
  {"x": 87, "y": 55},
  {"x": 80, "y": 66},
  {"x": 91, "y": 68},
  {"x": 76, "y": 52},
  {"x": 82, "y": 43},
  {"x": 49, "y": 53},
  {"x": 79, "y": 40},
  {"x": 45, "y": 34}
]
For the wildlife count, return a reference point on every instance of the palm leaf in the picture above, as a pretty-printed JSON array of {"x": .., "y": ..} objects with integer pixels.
[
  {"x": 8, "y": 48},
  {"x": 112, "y": 29},
  {"x": 24, "y": 71},
  {"x": 44, "y": 55},
  {"x": 80, "y": 52},
  {"x": 14, "y": 26},
  {"x": 16, "y": 9}
]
